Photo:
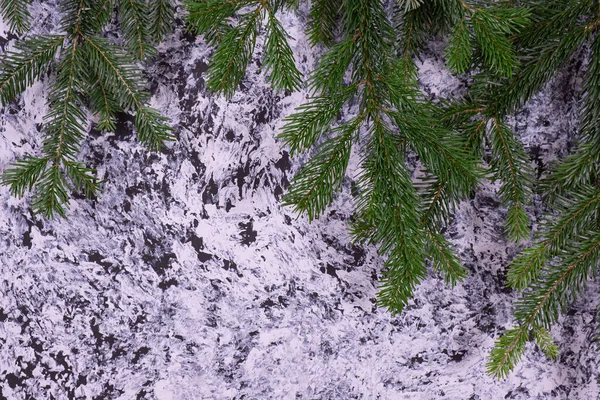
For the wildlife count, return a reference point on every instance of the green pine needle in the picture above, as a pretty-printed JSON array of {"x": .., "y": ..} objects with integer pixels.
[
  {"x": 323, "y": 21},
  {"x": 230, "y": 61},
  {"x": 279, "y": 58},
  {"x": 16, "y": 13},
  {"x": 314, "y": 187},
  {"x": 162, "y": 15},
  {"x": 511, "y": 166},
  {"x": 137, "y": 26},
  {"x": 31, "y": 60},
  {"x": 87, "y": 72}
]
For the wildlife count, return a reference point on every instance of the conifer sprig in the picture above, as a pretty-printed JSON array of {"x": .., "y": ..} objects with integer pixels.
[
  {"x": 89, "y": 73},
  {"x": 162, "y": 15},
  {"x": 323, "y": 21},
  {"x": 31, "y": 60},
  {"x": 392, "y": 117},
  {"x": 16, "y": 13},
  {"x": 236, "y": 42},
  {"x": 554, "y": 270}
]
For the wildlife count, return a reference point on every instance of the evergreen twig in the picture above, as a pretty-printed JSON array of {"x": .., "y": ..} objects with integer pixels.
[{"x": 89, "y": 73}]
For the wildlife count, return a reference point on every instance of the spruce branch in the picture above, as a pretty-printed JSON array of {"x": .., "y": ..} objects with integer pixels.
[
  {"x": 279, "y": 58},
  {"x": 124, "y": 80},
  {"x": 511, "y": 166},
  {"x": 539, "y": 307},
  {"x": 577, "y": 214},
  {"x": 554, "y": 270},
  {"x": 64, "y": 125},
  {"x": 230, "y": 61},
  {"x": 16, "y": 13},
  {"x": 102, "y": 102},
  {"x": 19, "y": 69},
  {"x": 444, "y": 258},
  {"x": 236, "y": 43},
  {"x": 136, "y": 24},
  {"x": 314, "y": 187},
  {"x": 87, "y": 72},
  {"x": 306, "y": 125},
  {"x": 507, "y": 352},
  {"x": 389, "y": 202},
  {"x": 544, "y": 340},
  {"x": 50, "y": 196},
  {"x": 211, "y": 17},
  {"x": 24, "y": 174},
  {"x": 459, "y": 51},
  {"x": 574, "y": 172},
  {"x": 323, "y": 21},
  {"x": 162, "y": 18},
  {"x": 539, "y": 64},
  {"x": 328, "y": 76}
]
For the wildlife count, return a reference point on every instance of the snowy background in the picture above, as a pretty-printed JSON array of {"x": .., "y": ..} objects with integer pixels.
[{"x": 186, "y": 279}]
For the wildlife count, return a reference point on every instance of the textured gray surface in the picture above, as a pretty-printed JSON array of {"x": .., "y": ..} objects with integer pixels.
[{"x": 185, "y": 279}]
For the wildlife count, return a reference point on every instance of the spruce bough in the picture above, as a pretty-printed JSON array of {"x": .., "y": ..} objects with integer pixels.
[
  {"x": 367, "y": 67},
  {"x": 89, "y": 72},
  {"x": 369, "y": 61}
]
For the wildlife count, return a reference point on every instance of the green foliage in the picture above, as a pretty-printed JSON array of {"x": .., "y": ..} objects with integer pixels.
[
  {"x": 566, "y": 251},
  {"x": 236, "y": 42},
  {"x": 17, "y": 15},
  {"x": 510, "y": 164},
  {"x": 89, "y": 73},
  {"x": 369, "y": 62},
  {"x": 363, "y": 99},
  {"x": 323, "y": 21},
  {"x": 162, "y": 15},
  {"x": 403, "y": 218}
]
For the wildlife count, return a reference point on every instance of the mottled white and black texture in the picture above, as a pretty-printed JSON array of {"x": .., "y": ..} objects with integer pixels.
[{"x": 185, "y": 279}]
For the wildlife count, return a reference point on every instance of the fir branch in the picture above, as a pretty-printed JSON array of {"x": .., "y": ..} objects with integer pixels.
[
  {"x": 389, "y": 201},
  {"x": 125, "y": 83},
  {"x": 208, "y": 17},
  {"x": 50, "y": 197},
  {"x": 87, "y": 66},
  {"x": 552, "y": 18},
  {"x": 539, "y": 307},
  {"x": 230, "y": 61},
  {"x": 279, "y": 58},
  {"x": 543, "y": 339},
  {"x": 539, "y": 64},
  {"x": 576, "y": 216},
  {"x": 328, "y": 76},
  {"x": 102, "y": 102},
  {"x": 307, "y": 124},
  {"x": 19, "y": 69},
  {"x": 82, "y": 178},
  {"x": 459, "y": 50},
  {"x": 64, "y": 124},
  {"x": 17, "y": 15},
  {"x": 102, "y": 12},
  {"x": 323, "y": 21},
  {"x": 589, "y": 110},
  {"x": 507, "y": 352},
  {"x": 576, "y": 171},
  {"x": 78, "y": 16},
  {"x": 444, "y": 259},
  {"x": 24, "y": 174},
  {"x": 135, "y": 22},
  {"x": 314, "y": 187},
  {"x": 511, "y": 166},
  {"x": 162, "y": 18},
  {"x": 496, "y": 49}
]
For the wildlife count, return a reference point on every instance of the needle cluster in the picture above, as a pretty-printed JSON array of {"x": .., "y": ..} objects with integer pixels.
[{"x": 88, "y": 73}]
